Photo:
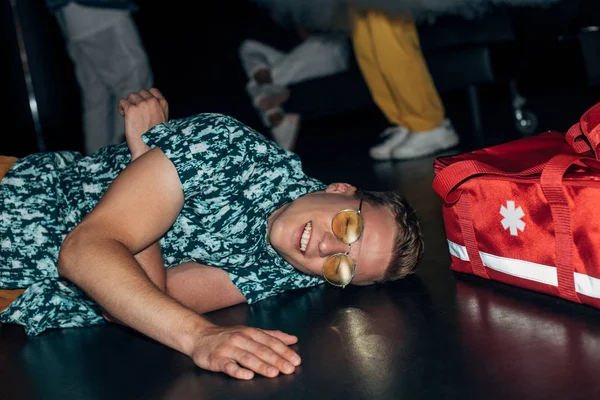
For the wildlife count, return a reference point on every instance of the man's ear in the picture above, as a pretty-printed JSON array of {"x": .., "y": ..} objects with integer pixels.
[{"x": 340, "y": 188}]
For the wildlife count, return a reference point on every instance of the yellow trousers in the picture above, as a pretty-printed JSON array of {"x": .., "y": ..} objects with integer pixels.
[
  {"x": 389, "y": 54},
  {"x": 7, "y": 296}
]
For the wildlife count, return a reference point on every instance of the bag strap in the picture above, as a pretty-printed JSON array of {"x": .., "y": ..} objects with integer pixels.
[
  {"x": 575, "y": 138},
  {"x": 585, "y": 135},
  {"x": 551, "y": 182},
  {"x": 465, "y": 220},
  {"x": 453, "y": 175}
]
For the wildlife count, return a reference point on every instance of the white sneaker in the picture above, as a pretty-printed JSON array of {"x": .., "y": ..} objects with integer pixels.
[
  {"x": 393, "y": 137},
  {"x": 426, "y": 143}
]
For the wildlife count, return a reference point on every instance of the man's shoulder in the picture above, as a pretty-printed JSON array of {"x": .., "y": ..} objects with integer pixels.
[{"x": 226, "y": 129}]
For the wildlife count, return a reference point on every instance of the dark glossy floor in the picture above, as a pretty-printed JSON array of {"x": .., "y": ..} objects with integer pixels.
[
  {"x": 433, "y": 336},
  {"x": 437, "y": 335}
]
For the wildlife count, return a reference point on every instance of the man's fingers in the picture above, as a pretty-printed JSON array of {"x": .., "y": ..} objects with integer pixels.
[
  {"x": 242, "y": 352},
  {"x": 161, "y": 99},
  {"x": 254, "y": 363},
  {"x": 123, "y": 104},
  {"x": 284, "y": 337},
  {"x": 135, "y": 98},
  {"x": 279, "y": 341},
  {"x": 156, "y": 93},
  {"x": 270, "y": 350},
  {"x": 232, "y": 369},
  {"x": 146, "y": 94}
]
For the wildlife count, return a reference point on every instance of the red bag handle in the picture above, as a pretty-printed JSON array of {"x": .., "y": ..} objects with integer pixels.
[
  {"x": 585, "y": 135},
  {"x": 551, "y": 182},
  {"x": 582, "y": 137},
  {"x": 453, "y": 175},
  {"x": 465, "y": 220}
]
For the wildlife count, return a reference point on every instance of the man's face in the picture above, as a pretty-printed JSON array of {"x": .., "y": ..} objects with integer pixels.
[{"x": 288, "y": 224}]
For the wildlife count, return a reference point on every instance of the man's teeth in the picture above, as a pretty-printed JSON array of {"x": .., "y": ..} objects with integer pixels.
[{"x": 305, "y": 236}]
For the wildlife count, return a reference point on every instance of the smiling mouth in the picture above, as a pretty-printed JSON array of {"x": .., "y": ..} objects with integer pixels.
[{"x": 305, "y": 238}]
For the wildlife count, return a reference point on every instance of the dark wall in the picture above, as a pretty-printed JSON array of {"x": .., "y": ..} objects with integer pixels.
[{"x": 55, "y": 91}]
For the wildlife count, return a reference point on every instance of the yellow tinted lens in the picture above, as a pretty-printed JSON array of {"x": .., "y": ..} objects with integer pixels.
[
  {"x": 338, "y": 269},
  {"x": 348, "y": 226}
]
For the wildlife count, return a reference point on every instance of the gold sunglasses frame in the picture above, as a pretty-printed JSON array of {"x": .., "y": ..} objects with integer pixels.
[{"x": 347, "y": 253}]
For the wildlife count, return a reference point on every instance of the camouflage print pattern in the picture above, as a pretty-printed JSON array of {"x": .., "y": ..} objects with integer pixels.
[{"x": 232, "y": 178}]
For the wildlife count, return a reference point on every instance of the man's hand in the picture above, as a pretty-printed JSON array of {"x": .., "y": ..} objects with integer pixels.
[
  {"x": 142, "y": 111},
  {"x": 242, "y": 351}
]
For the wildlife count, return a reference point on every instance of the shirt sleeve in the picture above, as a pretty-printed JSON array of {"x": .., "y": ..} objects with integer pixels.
[
  {"x": 269, "y": 277},
  {"x": 205, "y": 151}
]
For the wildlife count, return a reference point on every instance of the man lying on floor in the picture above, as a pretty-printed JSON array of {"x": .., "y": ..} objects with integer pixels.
[{"x": 210, "y": 214}]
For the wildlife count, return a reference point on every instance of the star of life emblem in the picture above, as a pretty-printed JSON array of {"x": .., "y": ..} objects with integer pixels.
[{"x": 512, "y": 218}]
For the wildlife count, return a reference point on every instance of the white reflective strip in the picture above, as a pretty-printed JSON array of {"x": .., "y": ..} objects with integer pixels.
[
  {"x": 587, "y": 285},
  {"x": 584, "y": 284},
  {"x": 458, "y": 251},
  {"x": 522, "y": 269}
]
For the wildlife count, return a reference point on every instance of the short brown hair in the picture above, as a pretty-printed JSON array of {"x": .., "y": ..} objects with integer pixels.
[{"x": 408, "y": 244}]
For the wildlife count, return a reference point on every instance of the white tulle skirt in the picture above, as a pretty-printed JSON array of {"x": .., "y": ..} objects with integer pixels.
[{"x": 321, "y": 14}]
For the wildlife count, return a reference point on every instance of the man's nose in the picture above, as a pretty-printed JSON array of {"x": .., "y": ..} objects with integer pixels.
[{"x": 329, "y": 245}]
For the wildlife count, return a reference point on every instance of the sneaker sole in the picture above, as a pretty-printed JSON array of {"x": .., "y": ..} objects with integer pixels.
[
  {"x": 387, "y": 155},
  {"x": 445, "y": 146},
  {"x": 381, "y": 157}
]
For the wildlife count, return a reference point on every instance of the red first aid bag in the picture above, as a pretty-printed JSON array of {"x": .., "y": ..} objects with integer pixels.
[{"x": 527, "y": 212}]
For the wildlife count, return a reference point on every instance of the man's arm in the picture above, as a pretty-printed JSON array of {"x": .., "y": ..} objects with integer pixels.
[
  {"x": 98, "y": 256},
  {"x": 152, "y": 263},
  {"x": 142, "y": 110},
  {"x": 190, "y": 283},
  {"x": 194, "y": 285}
]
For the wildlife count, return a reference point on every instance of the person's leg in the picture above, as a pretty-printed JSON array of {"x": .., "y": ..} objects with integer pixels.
[
  {"x": 381, "y": 92},
  {"x": 130, "y": 70},
  {"x": 257, "y": 57},
  {"x": 96, "y": 99},
  {"x": 389, "y": 55},
  {"x": 363, "y": 42},
  {"x": 317, "y": 56},
  {"x": 110, "y": 62},
  {"x": 257, "y": 60}
]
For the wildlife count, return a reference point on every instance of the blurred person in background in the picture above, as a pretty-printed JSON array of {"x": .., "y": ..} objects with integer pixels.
[
  {"x": 386, "y": 44},
  {"x": 110, "y": 61},
  {"x": 270, "y": 71}
]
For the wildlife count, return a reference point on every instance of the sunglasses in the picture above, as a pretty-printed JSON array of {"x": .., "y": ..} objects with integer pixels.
[{"x": 348, "y": 226}]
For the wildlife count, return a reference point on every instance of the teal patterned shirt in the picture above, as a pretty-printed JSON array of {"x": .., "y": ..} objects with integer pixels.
[{"x": 232, "y": 178}]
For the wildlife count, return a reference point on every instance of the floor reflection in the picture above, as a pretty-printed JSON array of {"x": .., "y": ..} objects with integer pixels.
[
  {"x": 532, "y": 351},
  {"x": 369, "y": 354}
]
